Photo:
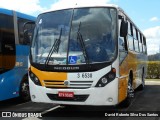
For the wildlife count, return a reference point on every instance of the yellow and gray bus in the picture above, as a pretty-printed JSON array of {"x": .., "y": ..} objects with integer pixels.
[{"x": 86, "y": 55}]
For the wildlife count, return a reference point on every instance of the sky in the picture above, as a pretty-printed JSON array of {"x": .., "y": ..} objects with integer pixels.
[{"x": 144, "y": 13}]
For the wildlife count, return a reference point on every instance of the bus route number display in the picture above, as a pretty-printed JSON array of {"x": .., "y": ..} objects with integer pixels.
[{"x": 84, "y": 75}]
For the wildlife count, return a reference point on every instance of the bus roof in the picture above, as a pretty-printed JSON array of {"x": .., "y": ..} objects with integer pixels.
[
  {"x": 5, "y": 11},
  {"x": 25, "y": 16},
  {"x": 20, "y": 15}
]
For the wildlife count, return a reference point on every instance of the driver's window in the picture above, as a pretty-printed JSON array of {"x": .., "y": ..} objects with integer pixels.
[
  {"x": 122, "y": 46},
  {"x": 121, "y": 39}
]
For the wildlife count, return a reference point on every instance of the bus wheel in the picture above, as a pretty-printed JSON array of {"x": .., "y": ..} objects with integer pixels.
[
  {"x": 130, "y": 95},
  {"x": 24, "y": 90}
]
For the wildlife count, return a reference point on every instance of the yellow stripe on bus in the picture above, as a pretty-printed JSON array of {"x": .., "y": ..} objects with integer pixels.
[{"x": 45, "y": 75}]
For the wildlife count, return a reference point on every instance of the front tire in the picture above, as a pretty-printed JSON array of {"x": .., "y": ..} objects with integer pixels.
[
  {"x": 130, "y": 95},
  {"x": 24, "y": 89}
]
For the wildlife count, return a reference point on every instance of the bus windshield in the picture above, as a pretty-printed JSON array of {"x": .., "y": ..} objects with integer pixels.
[{"x": 75, "y": 36}]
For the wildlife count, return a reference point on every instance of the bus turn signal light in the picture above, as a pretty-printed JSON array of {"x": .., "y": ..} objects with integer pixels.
[{"x": 113, "y": 70}]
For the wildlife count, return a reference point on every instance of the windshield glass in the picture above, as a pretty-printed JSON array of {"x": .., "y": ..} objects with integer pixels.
[{"x": 79, "y": 36}]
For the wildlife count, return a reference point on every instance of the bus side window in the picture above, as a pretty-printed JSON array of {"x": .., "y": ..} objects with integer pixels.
[
  {"x": 130, "y": 36},
  {"x": 136, "y": 45},
  {"x": 140, "y": 43},
  {"x": 7, "y": 43},
  {"x": 144, "y": 45}
]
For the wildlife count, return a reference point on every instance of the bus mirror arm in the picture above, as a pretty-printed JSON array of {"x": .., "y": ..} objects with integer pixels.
[{"x": 124, "y": 28}]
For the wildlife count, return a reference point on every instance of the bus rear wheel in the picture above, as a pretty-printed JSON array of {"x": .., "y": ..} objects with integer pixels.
[{"x": 24, "y": 90}]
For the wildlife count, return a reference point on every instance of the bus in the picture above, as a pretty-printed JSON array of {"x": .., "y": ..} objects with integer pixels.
[
  {"x": 86, "y": 55},
  {"x": 14, "y": 51}
]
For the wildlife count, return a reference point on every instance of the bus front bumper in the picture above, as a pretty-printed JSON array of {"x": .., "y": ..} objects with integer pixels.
[{"x": 94, "y": 96}]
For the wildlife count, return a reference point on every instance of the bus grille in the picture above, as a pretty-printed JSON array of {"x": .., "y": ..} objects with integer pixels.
[
  {"x": 72, "y": 84},
  {"x": 77, "y": 98}
]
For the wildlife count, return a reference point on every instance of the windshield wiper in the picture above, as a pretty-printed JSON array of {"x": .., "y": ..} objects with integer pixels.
[
  {"x": 80, "y": 38},
  {"x": 55, "y": 48}
]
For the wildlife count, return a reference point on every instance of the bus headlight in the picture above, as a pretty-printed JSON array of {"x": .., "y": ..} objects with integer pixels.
[
  {"x": 34, "y": 78},
  {"x": 106, "y": 78}
]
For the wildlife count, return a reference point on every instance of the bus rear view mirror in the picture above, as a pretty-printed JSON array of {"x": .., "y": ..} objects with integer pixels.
[
  {"x": 124, "y": 28},
  {"x": 28, "y": 29}
]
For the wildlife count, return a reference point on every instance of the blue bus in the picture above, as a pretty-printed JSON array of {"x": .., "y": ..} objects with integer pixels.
[{"x": 14, "y": 51}]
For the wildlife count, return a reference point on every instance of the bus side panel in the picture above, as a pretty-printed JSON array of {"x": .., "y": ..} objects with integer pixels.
[
  {"x": 122, "y": 89},
  {"x": 134, "y": 62},
  {"x": 22, "y": 52},
  {"x": 10, "y": 80},
  {"x": 142, "y": 68},
  {"x": 128, "y": 64},
  {"x": 8, "y": 85}
]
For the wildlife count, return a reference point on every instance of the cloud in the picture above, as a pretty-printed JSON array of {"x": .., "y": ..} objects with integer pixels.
[
  {"x": 153, "y": 39},
  {"x": 153, "y": 33},
  {"x": 71, "y": 3},
  {"x": 154, "y": 19},
  {"x": 24, "y": 6}
]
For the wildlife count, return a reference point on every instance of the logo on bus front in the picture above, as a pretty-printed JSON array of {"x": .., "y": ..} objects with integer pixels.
[{"x": 66, "y": 83}]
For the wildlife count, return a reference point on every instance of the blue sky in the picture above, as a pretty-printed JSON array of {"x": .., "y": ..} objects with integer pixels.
[{"x": 144, "y": 13}]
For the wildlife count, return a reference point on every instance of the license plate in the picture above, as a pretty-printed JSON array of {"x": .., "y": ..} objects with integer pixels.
[{"x": 66, "y": 94}]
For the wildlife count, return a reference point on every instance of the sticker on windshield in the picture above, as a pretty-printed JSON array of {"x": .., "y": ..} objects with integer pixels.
[{"x": 72, "y": 59}]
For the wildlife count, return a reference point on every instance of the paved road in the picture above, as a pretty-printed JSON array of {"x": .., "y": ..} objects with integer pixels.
[{"x": 147, "y": 100}]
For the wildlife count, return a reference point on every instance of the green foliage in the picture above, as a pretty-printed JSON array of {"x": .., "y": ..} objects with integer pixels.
[{"x": 153, "y": 70}]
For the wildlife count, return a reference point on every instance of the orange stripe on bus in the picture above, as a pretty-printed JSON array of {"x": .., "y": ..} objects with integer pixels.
[
  {"x": 45, "y": 75},
  {"x": 122, "y": 89}
]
